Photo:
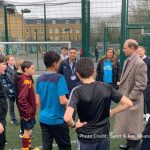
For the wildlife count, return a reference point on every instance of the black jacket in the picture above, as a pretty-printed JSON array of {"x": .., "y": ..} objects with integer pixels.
[
  {"x": 3, "y": 107},
  {"x": 16, "y": 85},
  {"x": 65, "y": 70},
  {"x": 116, "y": 72},
  {"x": 8, "y": 81},
  {"x": 147, "y": 90}
]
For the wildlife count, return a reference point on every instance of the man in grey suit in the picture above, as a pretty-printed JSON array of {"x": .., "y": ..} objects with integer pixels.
[{"x": 133, "y": 81}]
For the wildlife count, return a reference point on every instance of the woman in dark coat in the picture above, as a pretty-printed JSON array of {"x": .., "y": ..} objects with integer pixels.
[{"x": 109, "y": 69}]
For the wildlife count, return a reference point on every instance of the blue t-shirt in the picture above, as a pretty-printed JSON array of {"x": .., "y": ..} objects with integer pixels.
[
  {"x": 50, "y": 86},
  {"x": 107, "y": 78}
]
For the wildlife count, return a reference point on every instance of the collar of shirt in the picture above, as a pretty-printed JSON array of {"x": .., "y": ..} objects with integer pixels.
[
  {"x": 144, "y": 57},
  {"x": 72, "y": 62},
  {"x": 12, "y": 67},
  {"x": 130, "y": 57},
  {"x": 50, "y": 72}
]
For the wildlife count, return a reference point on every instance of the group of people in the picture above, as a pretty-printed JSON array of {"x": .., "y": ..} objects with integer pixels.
[
  {"x": 69, "y": 86},
  {"x": 17, "y": 86}
]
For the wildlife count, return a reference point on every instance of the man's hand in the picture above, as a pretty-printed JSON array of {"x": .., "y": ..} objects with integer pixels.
[
  {"x": 1, "y": 128},
  {"x": 79, "y": 124}
]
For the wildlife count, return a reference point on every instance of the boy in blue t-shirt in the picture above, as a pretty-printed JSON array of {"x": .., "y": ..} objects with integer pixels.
[{"x": 51, "y": 90}]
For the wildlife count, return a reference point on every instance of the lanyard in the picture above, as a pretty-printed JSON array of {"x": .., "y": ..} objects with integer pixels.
[{"x": 72, "y": 67}]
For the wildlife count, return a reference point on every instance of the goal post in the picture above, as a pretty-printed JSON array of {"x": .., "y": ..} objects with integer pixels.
[
  {"x": 32, "y": 51},
  {"x": 49, "y": 45}
]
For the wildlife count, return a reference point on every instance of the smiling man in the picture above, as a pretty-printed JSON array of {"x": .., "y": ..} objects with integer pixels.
[{"x": 67, "y": 68}]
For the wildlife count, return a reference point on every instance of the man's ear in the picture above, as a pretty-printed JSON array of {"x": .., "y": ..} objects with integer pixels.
[{"x": 55, "y": 64}]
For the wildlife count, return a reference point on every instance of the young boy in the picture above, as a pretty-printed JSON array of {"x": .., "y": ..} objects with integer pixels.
[
  {"x": 92, "y": 101},
  {"x": 26, "y": 102},
  {"x": 3, "y": 104},
  {"x": 8, "y": 82},
  {"x": 19, "y": 72},
  {"x": 51, "y": 89},
  {"x": 64, "y": 53}
]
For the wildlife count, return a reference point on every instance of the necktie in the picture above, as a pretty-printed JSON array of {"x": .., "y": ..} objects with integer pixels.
[{"x": 128, "y": 62}]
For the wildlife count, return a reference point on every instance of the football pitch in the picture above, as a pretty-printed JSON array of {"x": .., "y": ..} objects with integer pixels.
[{"x": 14, "y": 141}]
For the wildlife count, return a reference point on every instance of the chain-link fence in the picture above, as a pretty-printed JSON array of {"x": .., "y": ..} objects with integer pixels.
[
  {"x": 138, "y": 26},
  {"x": 62, "y": 21},
  {"x": 105, "y": 25},
  {"x": 40, "y": 21}
]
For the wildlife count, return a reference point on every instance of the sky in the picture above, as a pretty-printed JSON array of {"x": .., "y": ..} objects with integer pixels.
[{"x": 73, "y": 9}]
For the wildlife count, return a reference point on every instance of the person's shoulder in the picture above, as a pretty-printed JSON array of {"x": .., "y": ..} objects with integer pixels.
[
  {"x": 24, "y": 79},
  {"x": 53, "y": 77},
  {"x": 77, "y": 88},
  {"x": 140, "y": 61},
  {"x": 17, "y": 74},
  {"x": 40, "y": 77},
  {"x": 65, "y": 60},
  {"x": 148, "y": 58},
  {"x": 105, "y": 84}
]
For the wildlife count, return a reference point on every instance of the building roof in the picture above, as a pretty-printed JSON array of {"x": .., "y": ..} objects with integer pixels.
[{"x": 50, "y": 20}]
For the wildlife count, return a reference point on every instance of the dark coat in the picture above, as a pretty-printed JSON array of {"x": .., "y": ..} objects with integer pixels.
[
  {"x": 3, "y": 108},
  {"x": 8, "y": 82},
  {"x": 65, "y": 70},
  {"x": 147, "y": 90},
  {"x": 16, "y": 86},
  {"x": 116, "y": 70}
]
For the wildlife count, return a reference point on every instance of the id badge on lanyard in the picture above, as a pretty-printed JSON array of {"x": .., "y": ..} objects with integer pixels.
[{"x": 73, "y": 77}]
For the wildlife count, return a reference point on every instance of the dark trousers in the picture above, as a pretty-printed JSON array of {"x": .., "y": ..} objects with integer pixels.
[
  {"x": 145, "y": 145},
  {"x": 101, "y": 145},
  {"x": 58, "y": 132},
  {"x": 11, "y": 108},
  {"x": 2, "y": 140},
  {"x": 21, "y": 127},
  {"x": 133, "y": 144},
  {"x": 147, "y": 103}
]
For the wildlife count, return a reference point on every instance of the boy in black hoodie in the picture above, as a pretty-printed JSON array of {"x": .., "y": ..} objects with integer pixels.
[{"x": 3, "y": 105}]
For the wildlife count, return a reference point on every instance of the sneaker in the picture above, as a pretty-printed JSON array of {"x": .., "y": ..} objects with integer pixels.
[
  {"x": 14, "y": 122},
  {"x": 6, "y": 142},
  {"x": 20, "y": 135}
]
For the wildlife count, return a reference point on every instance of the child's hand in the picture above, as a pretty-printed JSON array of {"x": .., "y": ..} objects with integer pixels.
[
  {"x": 1, "y": 128},
  {"x": 80, "y": 124}
]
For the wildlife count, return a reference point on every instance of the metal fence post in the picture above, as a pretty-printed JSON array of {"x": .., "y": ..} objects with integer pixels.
[
  {"x": 123, "y": 30},
  {"x": 6, "y": 30},
  {"x": 85, "y": 28},
  {"x": 105, "y": 39},
  {"x": 37, "y": 50},
  {"x": 45, "y": 36}
]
